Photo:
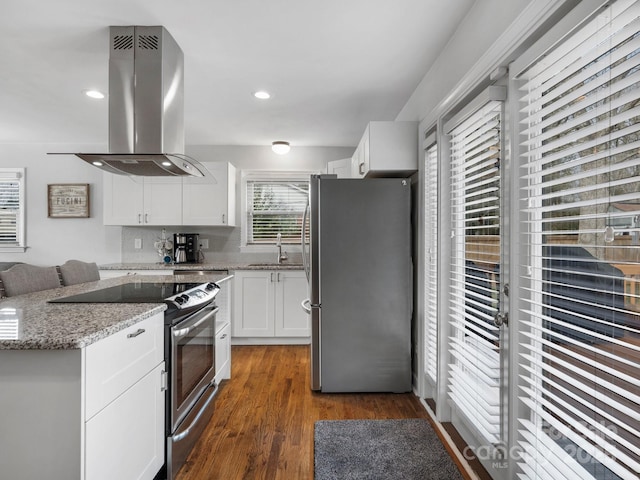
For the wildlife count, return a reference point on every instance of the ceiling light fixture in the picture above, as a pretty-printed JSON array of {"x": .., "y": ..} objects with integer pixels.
[
  {"x": 280, "y": 147},
  {"x": 262, "y": 95},
  {"x": 94, "y": 94}
]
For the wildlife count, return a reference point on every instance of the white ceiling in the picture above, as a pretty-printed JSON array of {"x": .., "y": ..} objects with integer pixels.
[{"x": 331, "y": 65}]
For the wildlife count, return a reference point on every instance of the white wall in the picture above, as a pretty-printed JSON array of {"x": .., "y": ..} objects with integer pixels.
[
  {"x": 54, "y": 240},
  {"x": 491, "y": 35}
]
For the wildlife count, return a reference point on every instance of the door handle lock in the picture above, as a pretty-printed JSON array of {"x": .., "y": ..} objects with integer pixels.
[{"x": 501, "y": 319}]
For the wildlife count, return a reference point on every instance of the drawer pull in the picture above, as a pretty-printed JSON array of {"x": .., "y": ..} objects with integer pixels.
[{"x": 140, "y": 331}]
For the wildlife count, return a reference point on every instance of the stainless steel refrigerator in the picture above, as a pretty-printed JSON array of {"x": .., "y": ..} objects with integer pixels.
[{"x": 360, "y": 284}]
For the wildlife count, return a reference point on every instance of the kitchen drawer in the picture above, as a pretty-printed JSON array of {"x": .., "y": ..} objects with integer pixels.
[{"x": 114, "y": 364}]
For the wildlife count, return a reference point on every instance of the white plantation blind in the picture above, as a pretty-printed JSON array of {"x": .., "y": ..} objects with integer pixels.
[
  {"x": 275, "y": 206},
  {"x": 580, "y": 326},
  {"x": 11, "y": 207},
  {"x": 431, "y": 262},
  {"x": 474, "y": 385}
]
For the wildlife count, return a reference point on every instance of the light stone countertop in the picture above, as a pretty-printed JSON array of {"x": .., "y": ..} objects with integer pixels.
[
  {"x": 28, "y": 322},
  {"x": 170, "y": 267}
]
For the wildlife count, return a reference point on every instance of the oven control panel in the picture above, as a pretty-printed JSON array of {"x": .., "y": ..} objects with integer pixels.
[{"x": 198, "y": 295}]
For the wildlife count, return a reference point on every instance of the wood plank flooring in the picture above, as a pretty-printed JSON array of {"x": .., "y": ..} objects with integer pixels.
[{"x": 262, "y": 427}]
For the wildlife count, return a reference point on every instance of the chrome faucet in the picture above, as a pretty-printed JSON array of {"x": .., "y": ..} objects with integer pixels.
[{"x": 281, "y": 256}]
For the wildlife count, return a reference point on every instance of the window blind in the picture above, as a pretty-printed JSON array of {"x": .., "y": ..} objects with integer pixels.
[
  {"x": 275, "y": 206},
  {"x": 580, "y": 327},
  {"x": 431, "y": 262},
  {"x": 474, "y": 374},
  {"x": 11, "y": 206}
]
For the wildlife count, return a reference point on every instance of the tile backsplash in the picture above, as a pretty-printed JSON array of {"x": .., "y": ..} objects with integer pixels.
[{"x": 224, "y": 245}]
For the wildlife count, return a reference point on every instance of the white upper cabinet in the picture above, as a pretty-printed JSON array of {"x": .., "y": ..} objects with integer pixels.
[
  {"x": 191, "y": 201},
  {"x": 135, "y": 200},
  {"x": 387, "y": 149},
  {"x": 210, "y": 200},
  {"x": 342, "y": 168}
]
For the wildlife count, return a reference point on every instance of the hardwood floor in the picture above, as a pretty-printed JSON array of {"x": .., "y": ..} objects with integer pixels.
[{"x": 262, "y": 427}]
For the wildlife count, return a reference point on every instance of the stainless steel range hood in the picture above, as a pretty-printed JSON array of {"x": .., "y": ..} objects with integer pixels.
[{"x": 146, "y": 105}]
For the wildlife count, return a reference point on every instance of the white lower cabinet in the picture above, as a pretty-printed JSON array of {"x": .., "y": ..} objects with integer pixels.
[
  {"x": 223, "y": 351},
  {"x": 89, "y": 414},
  {"x": 126, "y": 438},
  {"x": 267, "y": 304}
]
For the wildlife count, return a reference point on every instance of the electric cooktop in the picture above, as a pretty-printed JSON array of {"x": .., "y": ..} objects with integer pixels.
[
  {"x": 182, "y": 299},
  {"x": 136, "y": 292}
]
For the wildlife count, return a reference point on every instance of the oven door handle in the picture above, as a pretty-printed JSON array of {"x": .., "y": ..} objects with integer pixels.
[
  {"x": 183, "y": 332},
  {"x": 185, "y": 432}
]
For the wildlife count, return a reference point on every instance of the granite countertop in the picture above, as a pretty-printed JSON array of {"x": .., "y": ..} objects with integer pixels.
[
  {"x": 223, "y": 266},
  {"x": 28, "y": 322}
]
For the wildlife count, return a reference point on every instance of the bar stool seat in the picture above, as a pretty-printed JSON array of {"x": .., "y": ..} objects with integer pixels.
[
  {"x": 76, "y": 271},
  {"x": 25, "y": 278}
]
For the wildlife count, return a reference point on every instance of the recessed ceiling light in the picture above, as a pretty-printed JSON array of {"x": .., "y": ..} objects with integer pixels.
[
  {"x": 94, "y": 94},
  {"x": 97, "y": 163},
  {"x": 262, "y": 95},
  {"x": 280, "y": 147}
]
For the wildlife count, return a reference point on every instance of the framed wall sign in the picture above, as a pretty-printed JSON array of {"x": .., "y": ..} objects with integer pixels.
[{"x": 68, "y": 200}]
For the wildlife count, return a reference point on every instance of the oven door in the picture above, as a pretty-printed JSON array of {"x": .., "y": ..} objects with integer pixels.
[{"x": 192, "y": 361}]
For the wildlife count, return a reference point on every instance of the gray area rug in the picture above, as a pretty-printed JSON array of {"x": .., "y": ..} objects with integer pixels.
[{"x": 407, "y": 449}]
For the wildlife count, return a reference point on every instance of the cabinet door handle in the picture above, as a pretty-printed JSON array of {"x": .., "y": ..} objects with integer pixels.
[
  {"x": 140, "y": 331},
  {"x": 139, "y": 218},
  {"x": 278, "y": 277},
  {"x": 271, "y": 276},
  {"x": 361, "y": 169},
  {"x": 146, "y": 218},
  {"x": 223, "y": 218},
  {"x": 163, "y": 381}
]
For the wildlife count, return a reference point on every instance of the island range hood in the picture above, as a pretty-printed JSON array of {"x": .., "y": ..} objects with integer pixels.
[{"x": 146, "y": 105}]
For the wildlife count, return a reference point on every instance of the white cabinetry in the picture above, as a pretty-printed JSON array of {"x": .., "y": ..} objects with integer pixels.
[
  {"x": 341, "y": 168},
  {"x": 189, "y": 201},
  {"x": 387, "y": 149},
  {"x": 223, "y": 351},
  {"x": 210, "y": 200},
  {"x": 267, "y": 305},
  {"x": 135, "y": 200},
  {"x": 93, "y": 413}
]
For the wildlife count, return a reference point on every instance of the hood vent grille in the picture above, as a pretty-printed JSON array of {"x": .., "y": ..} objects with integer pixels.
[
  {"x": 148, "y": 42},
  {"x": 123, "y": 42}
]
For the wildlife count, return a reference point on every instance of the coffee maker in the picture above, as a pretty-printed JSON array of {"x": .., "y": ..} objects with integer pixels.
[{"x": 186, "y": 248}]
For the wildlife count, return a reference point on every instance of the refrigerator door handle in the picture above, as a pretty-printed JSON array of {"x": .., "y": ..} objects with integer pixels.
[
  {"x": 306, "y": 305},
  {"x": 305, "y": 260}
]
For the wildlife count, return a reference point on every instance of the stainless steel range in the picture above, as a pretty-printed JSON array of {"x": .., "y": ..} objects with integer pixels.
[
  {"x": 189, "y": 356},
  {"x": 190, "y": 359}
]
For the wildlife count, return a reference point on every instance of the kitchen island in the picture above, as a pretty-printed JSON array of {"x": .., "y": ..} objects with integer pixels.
[
  {"x": 82, "y": 385},
  {"x": 28, "y": 322}
]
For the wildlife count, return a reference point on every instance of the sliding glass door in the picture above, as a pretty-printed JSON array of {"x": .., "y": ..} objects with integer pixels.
[
  {"x": 580, "y": 315},
  {"x": 476, "y": 374}
]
